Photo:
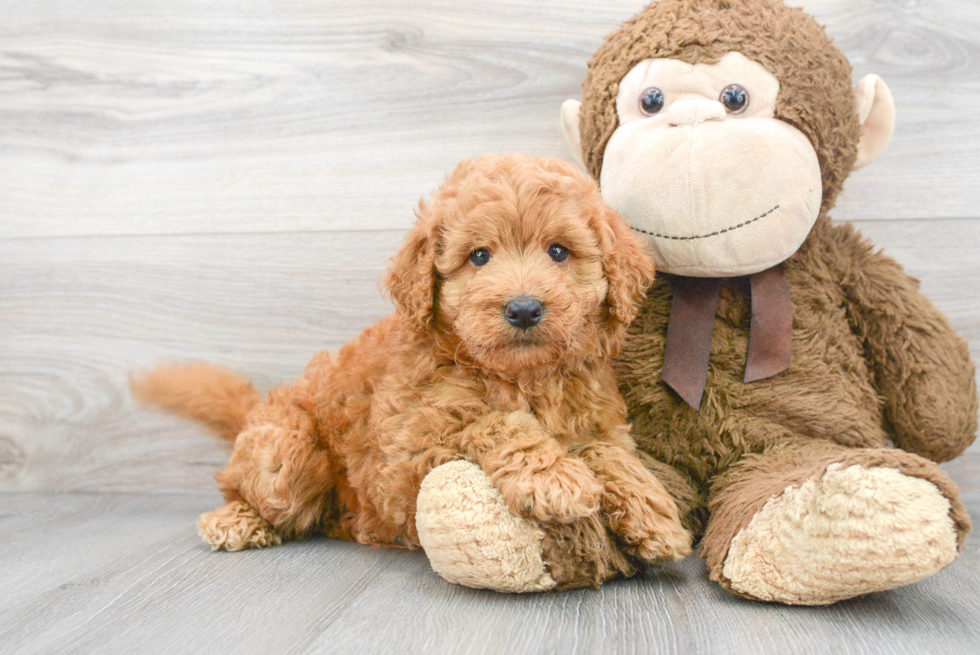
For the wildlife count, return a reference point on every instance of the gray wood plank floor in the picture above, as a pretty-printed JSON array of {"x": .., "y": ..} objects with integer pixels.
[{"x": 96, "y": 573}]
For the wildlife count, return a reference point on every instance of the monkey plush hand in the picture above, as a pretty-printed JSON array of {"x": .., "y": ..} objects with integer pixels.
[{"x": 777, "y": 353}]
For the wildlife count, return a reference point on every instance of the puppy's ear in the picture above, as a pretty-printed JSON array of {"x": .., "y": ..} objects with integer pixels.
[
  {"x": 411, "y": 278},
  {"x": 627, "y": 267}
]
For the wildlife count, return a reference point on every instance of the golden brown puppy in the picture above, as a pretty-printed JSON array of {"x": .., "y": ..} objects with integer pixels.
[{"x": 513, "y": 292}]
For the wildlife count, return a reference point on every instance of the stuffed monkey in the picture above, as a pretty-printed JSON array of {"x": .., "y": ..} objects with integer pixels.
[{"x": 777, "y": 354}]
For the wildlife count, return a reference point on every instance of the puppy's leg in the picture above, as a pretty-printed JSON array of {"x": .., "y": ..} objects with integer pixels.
[
  {"x": 531, "y": 470},
  {"x": 636, "y": 505},
  {"x": 280, "y": 473},
  {"x": 523, "y": 460},
  {"x": 236, "y": 526}
]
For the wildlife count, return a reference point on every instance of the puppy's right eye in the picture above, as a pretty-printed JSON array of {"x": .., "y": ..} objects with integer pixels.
[
  {"x": 480, "y": 256},
  {"x": 558, "y": 252}
]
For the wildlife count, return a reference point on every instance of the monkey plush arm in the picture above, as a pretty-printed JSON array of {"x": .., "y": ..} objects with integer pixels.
[{"x": 921, "y": 367}]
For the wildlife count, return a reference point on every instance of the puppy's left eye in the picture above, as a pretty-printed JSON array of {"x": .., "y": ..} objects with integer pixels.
[
  {"x": 558, "y": 252},
  {"x": 480, "y": 256}
]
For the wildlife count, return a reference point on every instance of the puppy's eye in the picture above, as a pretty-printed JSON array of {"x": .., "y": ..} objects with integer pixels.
[
  {"x": 480, "y": 256},
  {"x": 735, "y": 98},
  {"x": 652, "y": 101},
  {"x": 558, "y": 252}
]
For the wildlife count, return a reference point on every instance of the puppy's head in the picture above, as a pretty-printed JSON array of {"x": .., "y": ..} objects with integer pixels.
[{"x": 517, "y": 263}]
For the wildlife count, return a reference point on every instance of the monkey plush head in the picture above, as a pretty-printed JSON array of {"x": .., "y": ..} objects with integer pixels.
[{"x": 721, "y": 130}]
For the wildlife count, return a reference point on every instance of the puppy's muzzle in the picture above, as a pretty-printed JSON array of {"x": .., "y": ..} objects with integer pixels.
[{"x": 524, "y": 312}]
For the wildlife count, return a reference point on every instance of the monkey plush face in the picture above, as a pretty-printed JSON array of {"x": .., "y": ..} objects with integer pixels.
[
  {"x": 702, "y": 169},
  {"x": 721, "y": 129}
]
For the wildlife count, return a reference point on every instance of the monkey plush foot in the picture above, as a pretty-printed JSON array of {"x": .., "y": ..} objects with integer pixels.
[
  {"x": 852, "y": 531},
  {"x": 472, "y": 538}
]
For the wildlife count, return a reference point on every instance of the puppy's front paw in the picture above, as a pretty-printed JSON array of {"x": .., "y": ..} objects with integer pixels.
[
  {"x": 236, "y": 526},
  {"x": 564, "y": 491},
  {"x": 648, "y": 524}
]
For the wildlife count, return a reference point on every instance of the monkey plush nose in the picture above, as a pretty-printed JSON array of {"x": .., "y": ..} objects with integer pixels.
[
  {"x": 691, "y": 112},
  {"x": 524, "y": 312}
]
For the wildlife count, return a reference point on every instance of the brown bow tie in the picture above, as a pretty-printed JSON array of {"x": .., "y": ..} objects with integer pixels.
[{"x": 692, "y": 317}]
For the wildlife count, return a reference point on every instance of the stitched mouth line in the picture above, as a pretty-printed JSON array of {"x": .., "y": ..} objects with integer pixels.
[{"x": 705, "y": 236}]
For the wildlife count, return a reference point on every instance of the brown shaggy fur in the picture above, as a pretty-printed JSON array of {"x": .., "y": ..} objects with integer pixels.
[
  {"x": 873, "y": 359},
  {"x": 344, "y": 449}
]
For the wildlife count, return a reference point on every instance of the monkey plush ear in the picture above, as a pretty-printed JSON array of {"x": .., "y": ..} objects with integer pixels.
[
  {"x": 411, "y": 279},
  {"x": 570, "y": 127},
  {"x": 876, "y": 113}
]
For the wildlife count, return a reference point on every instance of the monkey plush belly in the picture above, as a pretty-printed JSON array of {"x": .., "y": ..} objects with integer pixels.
[{"x": 826, "y": 394}]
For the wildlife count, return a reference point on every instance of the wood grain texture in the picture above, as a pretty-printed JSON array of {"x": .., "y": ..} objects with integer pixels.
[
  {"x": 77, "y": 321},
  {"x": 176, "y": 116},
  {"x": 225, "y": 180},
  {"x": 81, "y": 315},
  {"x": 126, "y": 573}
]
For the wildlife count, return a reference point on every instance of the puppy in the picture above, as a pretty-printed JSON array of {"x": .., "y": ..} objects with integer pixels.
[{"x": 512, "y": 294}]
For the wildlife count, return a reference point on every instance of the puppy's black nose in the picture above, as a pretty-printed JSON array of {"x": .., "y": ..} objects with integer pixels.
[{"x": 524, "y": 312}]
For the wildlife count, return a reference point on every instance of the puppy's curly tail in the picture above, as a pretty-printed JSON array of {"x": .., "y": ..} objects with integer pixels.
[{"x": 214, "y": 396}]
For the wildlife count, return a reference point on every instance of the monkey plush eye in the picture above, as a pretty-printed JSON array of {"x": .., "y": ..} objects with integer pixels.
[
  {"x": 652, "y": 101},
  {"x": 735, "y": 98},
  {"x": 480, "y": 256},
  {"x": 558, "y": 252}
]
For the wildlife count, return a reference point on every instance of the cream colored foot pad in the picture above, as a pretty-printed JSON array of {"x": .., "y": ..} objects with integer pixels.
[
  {"x": 853, "y": 531},
  {"x": 472, "y": 538}
]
